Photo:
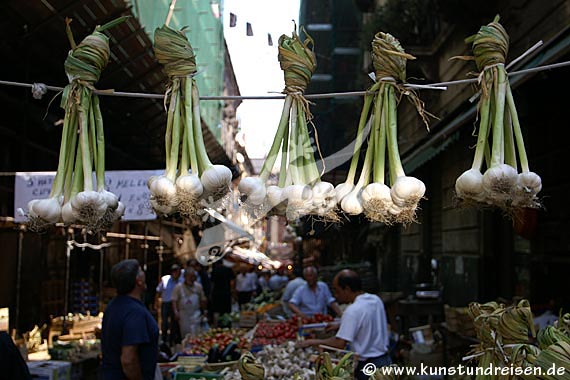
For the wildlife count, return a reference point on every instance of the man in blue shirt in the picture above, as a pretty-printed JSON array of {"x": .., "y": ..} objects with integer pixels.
[
  {"x": 170, "y": 330},
  {"x": 313, "y": 297},
  {"x": 129, "y": 340}
]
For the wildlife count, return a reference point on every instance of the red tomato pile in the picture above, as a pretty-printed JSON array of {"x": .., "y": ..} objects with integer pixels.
[
  {"x": 280, "y": 332},
  {"x": 200, "y": 345}
]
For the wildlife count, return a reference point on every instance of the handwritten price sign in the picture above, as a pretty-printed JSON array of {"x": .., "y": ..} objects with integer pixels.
[{"x": 129, "y": 185}]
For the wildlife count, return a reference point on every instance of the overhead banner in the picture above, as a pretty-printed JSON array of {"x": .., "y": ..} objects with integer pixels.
[{"x": 129, "y": 185}]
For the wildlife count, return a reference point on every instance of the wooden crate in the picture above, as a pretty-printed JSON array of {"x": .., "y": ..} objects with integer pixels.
[{"x": 247, "y": 319}]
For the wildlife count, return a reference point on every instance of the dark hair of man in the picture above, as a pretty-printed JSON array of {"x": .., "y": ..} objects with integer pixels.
[
  {"x": 124, "y": 275},
  {"x": 352, "y": 280}
]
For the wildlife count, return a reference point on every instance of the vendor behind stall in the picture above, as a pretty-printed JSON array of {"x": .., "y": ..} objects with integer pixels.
[
  {"x": 363, "y": 324},
  {"x": 313, "y": 297}
]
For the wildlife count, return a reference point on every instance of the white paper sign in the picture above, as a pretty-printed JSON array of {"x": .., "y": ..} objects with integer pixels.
[{"x": 129, "y": 185}]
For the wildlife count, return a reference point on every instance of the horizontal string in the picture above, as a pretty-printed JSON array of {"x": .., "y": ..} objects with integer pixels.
[{"x": 435, "y": 86}]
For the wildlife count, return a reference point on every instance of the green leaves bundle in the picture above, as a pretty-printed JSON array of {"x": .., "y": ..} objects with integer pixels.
[
  {"x": 74, "y": 198},
  {"x": 189, "y": 176},
  {"x": 499, "y": 133},
  {"x": 299, "y": 191},
  {"x": 371, "y": 195}
]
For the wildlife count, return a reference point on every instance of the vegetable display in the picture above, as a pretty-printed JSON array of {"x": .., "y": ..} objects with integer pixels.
[
  {"x": 499, "y": 133},
  {"x": 395, "y": 201},
  {"x": 189, "y": 176},
  {"x": 74, "y": 197}
]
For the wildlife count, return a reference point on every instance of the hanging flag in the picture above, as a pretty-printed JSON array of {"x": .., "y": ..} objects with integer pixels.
[
  {"x": 249, "y": 29},
  {"x": 233, "y": 20},
  {"x": 269, "y": 39}
]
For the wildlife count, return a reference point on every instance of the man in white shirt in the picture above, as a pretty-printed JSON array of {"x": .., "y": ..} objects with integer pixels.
[
  {"x": 363, "y": 324},
  {"x": 164, "y": 290},
  {"x": 246, "y": 285}
]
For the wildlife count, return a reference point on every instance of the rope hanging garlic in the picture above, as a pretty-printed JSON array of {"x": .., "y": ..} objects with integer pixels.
[
  {"x": 190, "y": 180},
  {"x": 395, "y": 201},
  {"x": 499, "y": 134},
  {"x": 74, "y": 199}
]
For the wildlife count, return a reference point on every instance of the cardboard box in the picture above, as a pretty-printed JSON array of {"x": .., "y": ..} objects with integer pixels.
[{"x": 50, "y": 370}]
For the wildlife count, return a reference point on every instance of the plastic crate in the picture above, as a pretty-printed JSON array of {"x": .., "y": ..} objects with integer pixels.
[{"x": 196, "y": 375}]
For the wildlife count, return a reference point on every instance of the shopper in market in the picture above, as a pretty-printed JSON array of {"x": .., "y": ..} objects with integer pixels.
[
  {"x": 129, "y": 338},
  {"x": 188, "y": 303},
  {"x": 314, "y": 297},
  {"x": 295, "y": 282},
  {"x": 203, "y": 277},
  {"x": 246, "y": 284},
  {"x": 278, "y": 280},
  {"x": 363, "y": 324},
  {"x": 223, "y": 283},
  {"x": 169, "y": 326}
]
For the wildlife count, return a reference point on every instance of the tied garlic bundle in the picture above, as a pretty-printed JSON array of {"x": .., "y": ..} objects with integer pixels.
[
  {"x": 499, "y": 133},
  {"x": 371, "y": 195},
  {"x": 73, "y": 198},
  {"x": 189, "y": 176},
  {"x": 300, "y": 190},
  {"x": 324, "y": 370},
  {"x": 249, "y": 368},
  {"x": 504, "y": 337}
]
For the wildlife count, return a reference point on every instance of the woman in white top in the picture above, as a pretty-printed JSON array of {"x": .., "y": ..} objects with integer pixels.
[{"x": 188, "y": 300}]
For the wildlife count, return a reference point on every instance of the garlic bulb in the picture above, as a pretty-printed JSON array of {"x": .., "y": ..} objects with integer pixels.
[
  {"x": 407, "y": 191},
  {"x": 342, "y": 190},
  {"x": 352, "y": 202},
  {"x": 469, "y": 185},
  {"x": 529, "y": 183},
  {"x": 499, "y": 181},
  {"x": 68, "y": 214},
  {"x": 216, "y": 181},
  {"x": 253, "y": 190},
  {"x": 49, "y": 209},
  {"x": 275, "y": 195},
  {"x": 110, "y": 199},
  {"x": 89, "y": 205}
]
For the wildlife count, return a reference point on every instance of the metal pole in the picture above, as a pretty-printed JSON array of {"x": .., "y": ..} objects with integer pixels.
[
  {"x": 101, "y": 262},
  {"x": 67, "y": 270},
  {"x": 127, "y": 241},
  {"x": 19, "y": 274},
  {"x": 145, "y": 247}
]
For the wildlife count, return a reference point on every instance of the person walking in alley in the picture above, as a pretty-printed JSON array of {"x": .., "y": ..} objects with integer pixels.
[
  {"x": 129, "y": 337},
  {"x": 170, "y": 332}
]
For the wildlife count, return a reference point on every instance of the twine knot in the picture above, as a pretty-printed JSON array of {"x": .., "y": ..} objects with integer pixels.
[
  {"x": 490, "y": 45},
  {"x": 173, "y": 50},
  {"x": 297, "y": 61},
  {"x": 86, "y": 62}
]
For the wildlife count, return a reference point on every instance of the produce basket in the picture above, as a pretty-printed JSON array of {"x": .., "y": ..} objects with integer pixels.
[
  {"x": 191, "y": 361},
  {"x": 216, "y": 367},
  {"x": 179, "y": 373},
  {"x": 196, "y": 375}
]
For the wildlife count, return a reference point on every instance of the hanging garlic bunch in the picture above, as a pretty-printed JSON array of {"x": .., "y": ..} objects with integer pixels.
[
  {"x": 73, "y": 198},
  {"x": 501, "y": 184},
  {"x": 190, "y": 176},
  {"x": 300, "y": 191},
  {"x": 371, "y": 195}
]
